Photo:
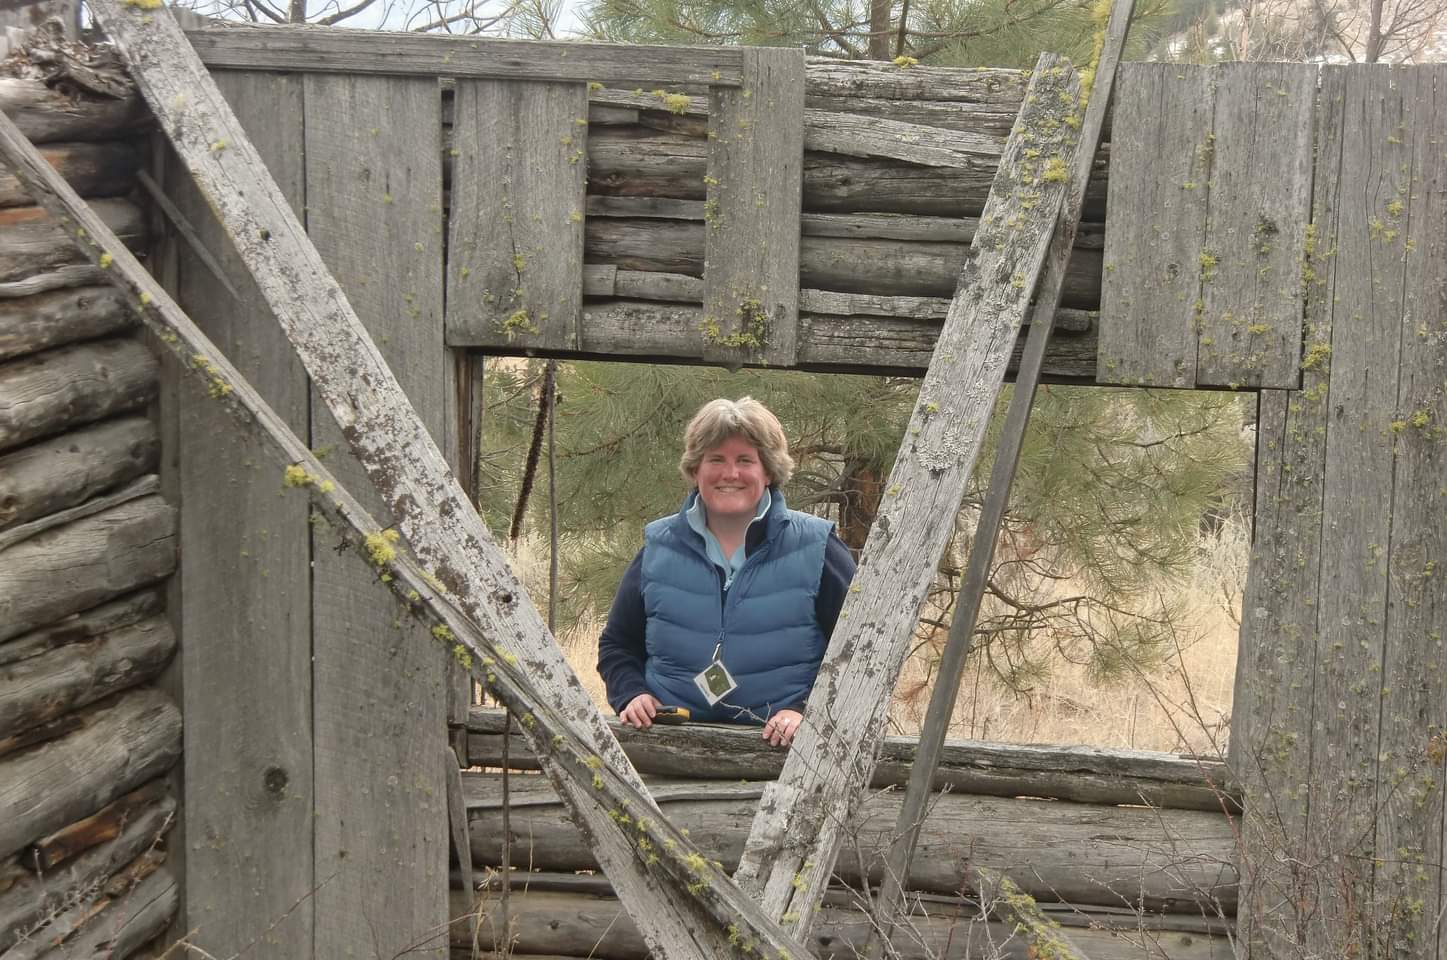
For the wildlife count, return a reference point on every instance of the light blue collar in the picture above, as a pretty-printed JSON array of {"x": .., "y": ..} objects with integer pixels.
[{"x": 698, "y": 520}]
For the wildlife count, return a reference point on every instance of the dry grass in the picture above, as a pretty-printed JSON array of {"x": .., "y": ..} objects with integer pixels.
[{"x": 1183, "y": 706}]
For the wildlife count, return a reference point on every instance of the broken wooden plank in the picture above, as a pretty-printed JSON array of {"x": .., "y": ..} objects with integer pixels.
[
  {"x": 683, "y": 907},
  {"x": 1258, "y": 205},
  {"x": 803, "y": 818},
  {"x": 340, "y": 50},
  {"x": 1155, "y": 258},
  {"x": 518, "y": 197},
  {"x": 751, "y": 214}
]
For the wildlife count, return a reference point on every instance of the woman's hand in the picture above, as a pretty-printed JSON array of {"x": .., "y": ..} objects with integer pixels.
[
  {"x": 782, "y": 726},
  {"x": 640, "y": 711}
]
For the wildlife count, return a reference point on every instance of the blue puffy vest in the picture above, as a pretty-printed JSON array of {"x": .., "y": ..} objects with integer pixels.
[{"x": 771, "y": 639}]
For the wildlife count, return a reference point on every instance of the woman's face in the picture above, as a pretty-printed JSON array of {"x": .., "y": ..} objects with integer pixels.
[{"x": 731, "y": 479}]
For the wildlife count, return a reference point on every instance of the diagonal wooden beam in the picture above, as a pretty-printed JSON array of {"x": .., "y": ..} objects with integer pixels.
[
  {"x": 665, "y": 869},
  {"x": 805, "y": 815},
  {"x": 1002, "y": 476},
  {"x": 401, "y": 460}
]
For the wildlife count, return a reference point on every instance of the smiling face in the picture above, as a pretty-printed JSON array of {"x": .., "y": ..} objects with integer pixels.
[{"x": 731, "y": 479}]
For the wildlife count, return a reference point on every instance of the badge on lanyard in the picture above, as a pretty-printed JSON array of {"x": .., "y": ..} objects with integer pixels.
[{"x": 715, "y": 682}]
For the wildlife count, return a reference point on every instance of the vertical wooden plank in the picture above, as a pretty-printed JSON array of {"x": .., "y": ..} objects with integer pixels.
[
  {"x": 246, "y": 591},
  {"x": 1259, "y": 203},
  {"x": 1366, "y": 303},
  {"x": 515, "y": 262},
  {"x": 754, "y": 198},
  {"x": 1413, "y": 753},
  {"x": 374, "y": 189},
  {"x": 1155, "y": 256}
]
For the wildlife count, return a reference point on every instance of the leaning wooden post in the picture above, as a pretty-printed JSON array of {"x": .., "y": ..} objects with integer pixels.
[
  {"x": 665, "y": 871},
  {"x": 400, "y": 458},
  {"x": 805, "y": 814},
  {"x": 1002, "y": 475}
]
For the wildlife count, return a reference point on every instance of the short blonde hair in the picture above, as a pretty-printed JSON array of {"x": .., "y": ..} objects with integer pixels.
[{"x": 718, "y": 420}]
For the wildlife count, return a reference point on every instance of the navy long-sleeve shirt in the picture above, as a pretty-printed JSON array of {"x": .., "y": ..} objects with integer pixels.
[{"x": 622, "y": 647}]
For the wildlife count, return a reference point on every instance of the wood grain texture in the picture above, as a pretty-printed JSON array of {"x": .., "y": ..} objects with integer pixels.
[
  {"x": 33, "y": 896},
  {"x": 245, "y": 605},
  {"x": 579, "y": 925},
  {"x": 516, "y": 249},
  {"x": 122, "y": 744},
  {"x": 45, "y": 393},
  {"x": 74, "y": 275},
  {"x": 1155, "y": 255},
  {"x": 31, "y": 243},
  {"x": 751, "y": 212},
  {"x": 1411, "y": 814},
  {"x": 800, "y": 823},
  {"x": 82, "y": 564},
  {"x": 44, "y": 687},
  {"x": 46, "y": 114},
  {"x": 1164, "y": 860},
  {"x": 340, "y": 50},
  {"x": 1082, "y": 774},
  {"x": 140, "y": 487},
  {"x": 128, "y": 919},
  {"x": 106, "y": 169},
  {"x": 864, "y": 136},
  {"x": 44, "y": 478},
  {"x": 1259, "y": 204},
  {"x": 372, "y": 188},
  {"x": 1366, "y": 342},
  {"x": 31, "y": 324}
]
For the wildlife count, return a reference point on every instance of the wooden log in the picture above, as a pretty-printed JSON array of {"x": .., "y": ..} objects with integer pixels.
[
  {"x": 75, "y": 275},
  {"x": 853, "y": 344},
  {"x": 104, "y": 825},
  {"x": 863, "y": 136},
  {"x": 82, "y": 564},
  {"x": 32, "y": 243},
  {"x": 32, "y": 896},
  {"x": 1003, "y": 86},
  {"x": 87, "y": 625},
  {"x": 45, "y": 393},
  {"x": 123, "y": 743},
  {"x": 46, "y": 114},
  {"x": 46, "y": 686},
  {"x": 1163, "y": 860},
  {"x": 106, "y": 169},
  {"x": 578, "y": 925},
  {"x": 337, "y": 50},
  {"x": 961, "y": 116},
  {"x": 125, "y": 919},
  {"x": 32, "y": 324},
  {"x": 624, "y": 163},
  {"x": 882, "y": 267},
  {"x": 140, "y": 487},
  {"x": 44, "y": 478},
  {"x": 804, "y": 816},
  {"x": 1082, "y": 774}
]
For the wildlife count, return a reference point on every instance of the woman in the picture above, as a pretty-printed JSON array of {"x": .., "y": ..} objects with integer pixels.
[{"x": 728, "y": 607}]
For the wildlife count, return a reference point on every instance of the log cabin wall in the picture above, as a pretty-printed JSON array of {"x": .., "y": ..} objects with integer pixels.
[
  {"x": 1131, "y": 852},
  {"x": 89, "y": 734}
]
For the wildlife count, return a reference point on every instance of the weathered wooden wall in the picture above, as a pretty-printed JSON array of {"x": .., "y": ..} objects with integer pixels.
[
  {"x": 335, "y": 782},
  {"x": 1340, "y": 732},
  {"x": 1137, "y": 844},
  {"x": 87, "y": 737},
  {"x": 893, "y": 174}
]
